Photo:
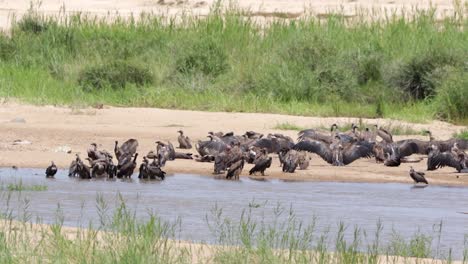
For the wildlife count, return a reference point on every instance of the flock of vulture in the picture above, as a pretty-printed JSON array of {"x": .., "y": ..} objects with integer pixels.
[{"x": 230, "y": 152}]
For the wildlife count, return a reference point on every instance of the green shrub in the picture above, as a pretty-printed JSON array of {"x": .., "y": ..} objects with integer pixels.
[
  {"x": 32, "y": 23},
  {"x": 206, "y": 56},
  {"x": 7, "y": 48},
  {"x": 414, "y": 76},
  {"x": 116, "y": 74},
  {"x": 451, "y": 101}
]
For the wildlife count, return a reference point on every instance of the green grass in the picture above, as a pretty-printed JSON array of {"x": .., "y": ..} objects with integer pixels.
[
  {"x": 122, "y": 237},
  {"x": 462, "y": 134},
  {"x": 19, "y": 187},
  {"x": 411, "y": 68},
  {"x": 288, "y": 126}
]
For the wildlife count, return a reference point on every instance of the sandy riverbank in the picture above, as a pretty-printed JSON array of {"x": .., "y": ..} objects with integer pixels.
[{"x": 48, "y": 128}]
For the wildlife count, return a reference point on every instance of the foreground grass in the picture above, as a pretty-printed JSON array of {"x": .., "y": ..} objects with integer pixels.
[
  {"x": 19, "y": 187},
  {"x": 411, "y": 68},
  {"x": 121, "y": 237}
]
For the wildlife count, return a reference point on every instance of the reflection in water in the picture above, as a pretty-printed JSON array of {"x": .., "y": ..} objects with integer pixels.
[{"x": 400, "y": 207}]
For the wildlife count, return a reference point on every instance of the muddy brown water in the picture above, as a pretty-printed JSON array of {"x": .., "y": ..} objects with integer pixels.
[{"x": 402, "y": 208}]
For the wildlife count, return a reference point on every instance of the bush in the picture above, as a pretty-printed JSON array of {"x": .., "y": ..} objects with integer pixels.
[
  {"x": 414, "y": 76},
  {"x": 206, "y": 57},
  {"x": 115, "y": 74},
  {"x": 452, "y": 96},
  {"x": 7, "y": 49},
  {"x": 32, "y": 23}
]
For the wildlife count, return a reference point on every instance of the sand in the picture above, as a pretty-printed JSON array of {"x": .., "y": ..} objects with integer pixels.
[
  {"x": 50, "y": 130},
  {"x": 11, "y": 9}
]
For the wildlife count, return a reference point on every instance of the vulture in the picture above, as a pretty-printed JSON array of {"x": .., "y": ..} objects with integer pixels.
[
  {"x": 164, "y": 152},
  {"x": 151, "y": 171},
  {"x": 393, "y": 159},
  {"x": 253, "y": 135},
  {"x": 455, "y": 158},
  {"x": 337, "y": 154},
  {"x": 143, "y": 169},
  {"x": 417, "y": 176},
  {"x": 221, "y": 161},
  {"x": 210, "y": 147},
  {"x": 290, "y": 161},
  {"x": 206, "y": 158},
  {"x": 99, "y": 168},
  {"x": 51, "y": 170},
  {"x": 367, "y": 135},
  {"x": 274, "y": 143},
  {"x": 129, "y": 147},
  {"x": 184, "y": 141},
  {"x": 79, "y": 169},
  {"x": 311, "y": 134},
  {"x": 303, "y": 160},
  {"x": 180, "y": 155},
  {"x": 235, "y": 169},
  {"x": 228, "y": 157},
  {"x": 126, "y": 170},
  {"x": 262, "y": 162},
  {"x": 384, "y": 134}
]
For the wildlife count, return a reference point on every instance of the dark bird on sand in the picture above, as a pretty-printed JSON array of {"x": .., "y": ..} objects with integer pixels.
[
  {"x": 290, "y": 161},
  {"x": 51, "y": 170},
  {"x": 418, "y": 177},
  {"x": 184, "y": 141},
  {"x": 455, "y": 158},
  {"x": 262, "y": 162}
]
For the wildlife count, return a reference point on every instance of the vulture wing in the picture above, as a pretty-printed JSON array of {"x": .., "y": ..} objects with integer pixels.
[
  {"x": 129, "y": 147},
  {"x": 440, "y": 160},
  {"x": 317, "y": 147},
  {"x": 385, "y": 135},
  {"x": 356, "y": 151}
]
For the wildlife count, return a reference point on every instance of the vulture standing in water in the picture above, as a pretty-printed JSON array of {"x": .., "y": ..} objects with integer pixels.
[
  {"x": 262, "y": 162},
  {"x": 417, "y": 176},
  {"x": 235, "y": 169},
  {"x": 184, "y": 141},
  {"x": 339, "y": 154},
  {"x": 126, "y": 170},
  {"x": 51, "y": 170},
  {"x": 151, "y": 171},
  {"x": 79, "y": 169}
]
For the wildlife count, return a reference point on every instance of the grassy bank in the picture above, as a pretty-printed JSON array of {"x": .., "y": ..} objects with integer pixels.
[
  {"x": 121, "y": 237},
  {"x": 412, "y": 67}
]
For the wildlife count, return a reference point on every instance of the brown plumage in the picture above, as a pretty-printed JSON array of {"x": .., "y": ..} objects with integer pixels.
[
  {"x": 418, "y": 177},
  {"x": 235, "y": 169},
  {"x": 384, "y": 134},
  {"x": 126, "y": 170},
  {"x": 290, "y": 161},
  {"x": 303, "y": 160},
  {"x": 337, "y": 154},
  {"x": 262, "y": 162},
  {"x": 455, "y": 158},
  {"x": 184, "y": 141}
]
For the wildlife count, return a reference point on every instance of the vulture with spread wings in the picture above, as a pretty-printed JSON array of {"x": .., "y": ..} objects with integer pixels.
[{"x": 337, "y": 154}]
